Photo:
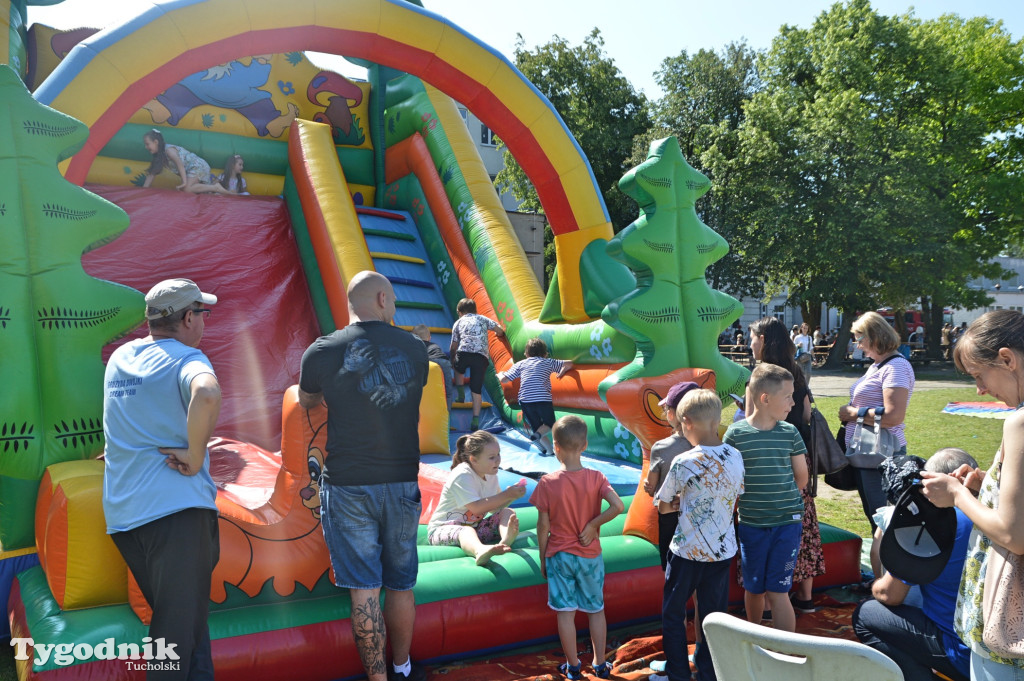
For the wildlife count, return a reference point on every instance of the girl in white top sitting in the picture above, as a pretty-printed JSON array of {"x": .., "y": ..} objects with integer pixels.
[
  {"x": 472, "y": 512},
  {"x": 231, "y": 179}
]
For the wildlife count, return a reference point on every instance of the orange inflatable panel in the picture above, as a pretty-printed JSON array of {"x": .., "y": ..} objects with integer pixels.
[
  {"x": 635, "y": 404},
  {"x": 73, "y": 545}
]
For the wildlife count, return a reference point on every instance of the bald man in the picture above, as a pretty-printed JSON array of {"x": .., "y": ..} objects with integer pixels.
[{"x": 371, "y": 376}]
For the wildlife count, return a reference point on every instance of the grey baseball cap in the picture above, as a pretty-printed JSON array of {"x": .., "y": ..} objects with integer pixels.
[{"x": 175, "y": 295}]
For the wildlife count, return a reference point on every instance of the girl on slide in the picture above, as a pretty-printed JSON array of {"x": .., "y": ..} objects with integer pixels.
[
  {"x": 193, "y": 171},
  {"x": 469, "y": 495},
  {"x": 231, "y": 179}
]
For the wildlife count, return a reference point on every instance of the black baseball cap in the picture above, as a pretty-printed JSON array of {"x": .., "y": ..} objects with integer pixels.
[{"x": 919, "y": 540}]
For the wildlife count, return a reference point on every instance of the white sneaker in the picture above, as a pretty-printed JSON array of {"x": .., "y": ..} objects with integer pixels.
[{"x": 659, "y": 666}]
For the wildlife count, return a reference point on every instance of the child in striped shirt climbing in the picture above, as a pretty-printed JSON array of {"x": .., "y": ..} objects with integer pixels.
[{"x": 535, "y": 400}]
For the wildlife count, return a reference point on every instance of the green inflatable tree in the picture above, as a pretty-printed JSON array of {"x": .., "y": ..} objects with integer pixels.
[
  {"x": 54, "y": 318},
  {"x": 673, "y": 315}
]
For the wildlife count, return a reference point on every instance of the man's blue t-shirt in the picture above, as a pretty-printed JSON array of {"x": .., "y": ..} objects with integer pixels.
[
  {"x": 146, "y": 393},
  {"x": 939, "y": 597}
]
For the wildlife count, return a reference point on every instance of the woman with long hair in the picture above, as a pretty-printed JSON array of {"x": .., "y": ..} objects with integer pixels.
[
  {"x": 992, "y": 352},
  {"x": 770, "y": 342}
]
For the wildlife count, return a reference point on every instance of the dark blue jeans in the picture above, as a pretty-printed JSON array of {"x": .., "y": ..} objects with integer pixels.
[
  {"x": 908, "y": 637},
  {"x": 683, "y": 577}
]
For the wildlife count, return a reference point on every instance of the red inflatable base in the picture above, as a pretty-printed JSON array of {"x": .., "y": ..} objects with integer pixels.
[{"x": 472, "y": 624}]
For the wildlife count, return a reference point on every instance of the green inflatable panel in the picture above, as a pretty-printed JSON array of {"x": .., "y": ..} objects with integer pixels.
[
  {"x": 54, "y": 318},
  {"x": 604, "y": 279},
  {"x": 673, "y": 315},
  {"x": 409, "y": 111}
]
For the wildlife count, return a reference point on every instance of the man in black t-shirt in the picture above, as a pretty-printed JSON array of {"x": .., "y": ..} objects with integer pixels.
[{"x": 371, "y": 376}]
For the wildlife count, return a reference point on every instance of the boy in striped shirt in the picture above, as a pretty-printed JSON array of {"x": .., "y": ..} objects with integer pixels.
[
  {"x": 535, "y": 389},
  {"x": 770, "y": 507}
]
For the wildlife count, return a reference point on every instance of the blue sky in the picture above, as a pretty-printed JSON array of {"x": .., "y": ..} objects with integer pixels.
[{"x": 637, "y": 41}]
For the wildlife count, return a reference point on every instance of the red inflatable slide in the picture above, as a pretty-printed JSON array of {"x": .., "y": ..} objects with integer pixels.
[{"x": 243, "y": 251}]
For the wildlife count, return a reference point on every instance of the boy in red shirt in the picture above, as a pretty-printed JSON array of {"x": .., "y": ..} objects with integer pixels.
[{"x": 569, "y": 522}]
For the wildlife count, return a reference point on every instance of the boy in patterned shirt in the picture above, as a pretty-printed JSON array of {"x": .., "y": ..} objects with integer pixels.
[
  {"x": 771, "y": 509},
  {"x": 708, "y": 480},
  {"x": 469, "y": 351},
  {"x": 535, "y": 400}
]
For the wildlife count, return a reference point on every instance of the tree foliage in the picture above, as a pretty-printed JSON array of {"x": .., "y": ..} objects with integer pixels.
[
  {"x": 879, "y": 163},
  {"x": 600, "y": 108}
]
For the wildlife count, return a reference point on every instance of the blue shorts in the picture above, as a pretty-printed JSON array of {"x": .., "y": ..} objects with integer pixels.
[
  {"x": 768, "y": 556},
  {"x": 575, "y": 583},
  {"x": 370, "y": 531}
]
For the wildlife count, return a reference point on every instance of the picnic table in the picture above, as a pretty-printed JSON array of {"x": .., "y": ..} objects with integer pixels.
[{"x": 737, "y": 353}]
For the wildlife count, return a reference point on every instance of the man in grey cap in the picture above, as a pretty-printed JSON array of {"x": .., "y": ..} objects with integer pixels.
[{"x": 161, "y": 399}]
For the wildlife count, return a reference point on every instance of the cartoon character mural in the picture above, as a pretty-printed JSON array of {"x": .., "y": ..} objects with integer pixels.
[
  {"x": 235, "y": 85},
  {"x": 280, "y": 542}
]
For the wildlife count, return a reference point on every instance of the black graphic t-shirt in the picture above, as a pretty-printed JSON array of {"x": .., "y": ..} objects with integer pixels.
[{"x": 372, "y": 376}]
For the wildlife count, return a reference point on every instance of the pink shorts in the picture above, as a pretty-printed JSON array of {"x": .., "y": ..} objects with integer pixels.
[{"x": 448, "y": 534}]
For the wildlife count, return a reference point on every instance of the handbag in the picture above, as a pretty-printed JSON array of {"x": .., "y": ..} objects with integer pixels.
[
  {"x": 845, "y": 479},
  {"x": 825, "y": 453},
  {"x": 870, "y": 445},
  {"x": 1002, "y": 604}
]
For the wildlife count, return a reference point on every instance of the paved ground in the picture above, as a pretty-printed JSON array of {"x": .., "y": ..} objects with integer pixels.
[{"x": 933, "y": 377}]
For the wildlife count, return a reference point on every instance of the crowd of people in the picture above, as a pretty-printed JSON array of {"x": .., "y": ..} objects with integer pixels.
[{"x": 157, "y": 433}]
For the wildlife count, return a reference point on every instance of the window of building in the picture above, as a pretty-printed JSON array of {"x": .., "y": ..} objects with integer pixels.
[{"x": 487, "y": 135}]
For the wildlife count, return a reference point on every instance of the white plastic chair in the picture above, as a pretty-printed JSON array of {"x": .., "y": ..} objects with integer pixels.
[{"x": 743, "y": 651}]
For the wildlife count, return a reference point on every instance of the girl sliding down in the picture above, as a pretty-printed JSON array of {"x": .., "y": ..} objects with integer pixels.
[{"x": 471, "y": 493}]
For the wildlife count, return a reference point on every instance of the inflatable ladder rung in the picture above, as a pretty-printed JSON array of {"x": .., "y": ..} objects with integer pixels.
[
  {"x": 388, "y": 234},
  {"x": 394, "y": 256},
  {"x": 417, "y": 305}
]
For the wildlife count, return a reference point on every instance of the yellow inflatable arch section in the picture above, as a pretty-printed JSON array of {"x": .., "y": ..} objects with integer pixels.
[{"x": 111, "y": 75}]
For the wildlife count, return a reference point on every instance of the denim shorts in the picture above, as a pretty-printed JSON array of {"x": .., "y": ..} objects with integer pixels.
[
  {"x": 768, "y": 556},
  {"x": 575, "y": 583},
  {"x": 370, "y": 531}
]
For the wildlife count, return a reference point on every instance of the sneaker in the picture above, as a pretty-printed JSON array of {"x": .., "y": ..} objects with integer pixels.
[
  {"x": 659, "y": 666},
  {"x": 474, "y": 424},
  {"x": 417, "y": 673},
  {"x": 804, "y": 607},
  {"x": 573, "y": 673},
  {"x": 603, "y": 670}
]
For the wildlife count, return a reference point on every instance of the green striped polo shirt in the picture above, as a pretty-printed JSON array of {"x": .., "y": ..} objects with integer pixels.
[{"x": 771, "y": 497}]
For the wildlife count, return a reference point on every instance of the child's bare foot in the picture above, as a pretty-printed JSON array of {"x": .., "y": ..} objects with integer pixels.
[
  {"x": 512, "y": 533},
  {"x": 484, "y": 557}
]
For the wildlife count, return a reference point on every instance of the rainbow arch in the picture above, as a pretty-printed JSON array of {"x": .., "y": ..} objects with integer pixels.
[{"x": 115, "y": 72}]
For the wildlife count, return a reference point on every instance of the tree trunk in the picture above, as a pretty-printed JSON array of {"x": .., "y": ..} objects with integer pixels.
[
  {"x": 934, "y": 330},
  {"x": 838, "y": 352},
  {"x": 930, "y": 336},
  {"x": 899, "y": 318}
]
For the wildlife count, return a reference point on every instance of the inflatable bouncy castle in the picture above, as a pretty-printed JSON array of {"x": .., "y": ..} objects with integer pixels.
[{"x": 344, "y": 175}]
